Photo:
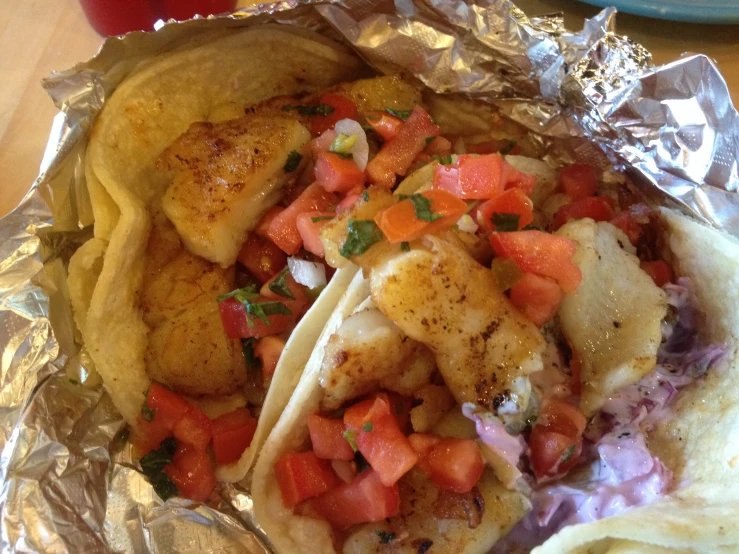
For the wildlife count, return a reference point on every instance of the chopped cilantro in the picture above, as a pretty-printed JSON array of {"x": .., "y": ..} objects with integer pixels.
[
  {"x": 508, "y": 147},
  {"x": 247, "y": 348},
  {"x": 152, "y": 465},
  {"x": 385, "y": 537},
  {"x": 505, "y": 222},
  {"x": 372, "y": 116},
  {"x": 147, "y": 413},
  {"x": 361, "y": 461},
  {"x": 472, "y": 206},
  {"x": 532, "y": 227},
  {"x": 343, "y": 155},
  {"x": 422, "y": 207},
  {"x": 321, "y": 218},
  {"x": 401, "y": 114},
  {"x": 342, "y": 144},
  {"x": 429, "y": 140},
  {"x": 293, "y": 161},
  {"x": 363, "y": 233},
  {"x": 425, "y": 545},
  {"x": 405, "y": 247},
  {"x": 444, "y": 160},
  {"x": 279, "y": 284},
  {"x": 365, "y": 196},
  {"x": 567, "y": 454},
  {"x": 350, "y": 435},
  {"x": 261, "y": 310},
  {"x": 368, "y": 427},
  {"x": 318, "y": 109}
]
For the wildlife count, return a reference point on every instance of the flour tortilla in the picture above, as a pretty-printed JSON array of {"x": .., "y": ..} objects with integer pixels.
[
  {"x": 700, "y": 445},
  {"x": 149, "y": 110}
]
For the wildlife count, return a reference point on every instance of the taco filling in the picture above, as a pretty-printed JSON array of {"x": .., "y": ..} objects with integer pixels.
[{"x": 514, "y": 337}]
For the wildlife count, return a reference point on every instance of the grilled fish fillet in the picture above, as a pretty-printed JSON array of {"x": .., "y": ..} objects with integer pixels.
[{"x": 224, "y": 176}]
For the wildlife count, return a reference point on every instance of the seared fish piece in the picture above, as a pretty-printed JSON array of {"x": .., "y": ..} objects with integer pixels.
[
  {"x": 368, "y": 350},
  {"x": 614, "y": 321},
  {"x": 484, "y": 348},
  {"x": 224, "y": 176}
]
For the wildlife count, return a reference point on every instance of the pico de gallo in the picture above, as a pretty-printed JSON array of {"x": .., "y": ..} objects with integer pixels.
[{"x": 384, "y": 183}]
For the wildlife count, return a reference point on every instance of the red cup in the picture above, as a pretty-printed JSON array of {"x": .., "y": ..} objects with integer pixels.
[{"x": 116, "y": 17}]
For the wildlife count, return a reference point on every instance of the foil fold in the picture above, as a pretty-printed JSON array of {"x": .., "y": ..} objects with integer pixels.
[{"x": 69, "y": 483}]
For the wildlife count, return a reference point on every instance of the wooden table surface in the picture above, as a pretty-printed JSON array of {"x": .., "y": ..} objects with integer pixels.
[{"x": 38, "y": 36}]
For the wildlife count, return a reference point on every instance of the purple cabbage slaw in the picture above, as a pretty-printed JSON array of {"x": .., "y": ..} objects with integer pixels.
[{"x": 622, "y": 473}]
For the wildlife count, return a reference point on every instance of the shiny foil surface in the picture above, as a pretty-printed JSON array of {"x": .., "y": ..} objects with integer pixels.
[{"x": 69, "y": 483}]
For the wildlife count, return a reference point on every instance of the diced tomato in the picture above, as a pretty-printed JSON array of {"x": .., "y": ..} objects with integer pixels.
[
  {"x": 261, "y": 257},
  {"x": 337, "y": 174},
  {"x": 169, "y": 407},
  {"x": 192, "y": 473},
  {"x": 148, "y": 435},
  {"x": 660, "y": 272},
  {"x": 597, "y": 208},
  {"x": 519, "y": 180},
  {"x": 269, "y": 350},
  {"x": 343, "y": 109},
  {"x": 309, "y": 227},
  {"x": 555, "y": 443},
  {"x": 327, "y": 438},
  {"x": 397, "y": 154},
  {"x": 236, "y": 325},
  {"x": 384, "y": 124},
  {"x": 625, "y": 222},
  {"x": 541, "y": 253},
  {"x": 513, "y": 201},
  {"x": 376, "y": 407},
  {"x": 422, "y": 444},
  {"x": 492, "y": 146},
  {"x": 473, "y": 177},
  {"x": 262, "y": 227},
  {"x": 283, "y": 229},
  {"x": 232, "y": 434},
  {"x": 346, "y": 204},
  {"x": 455, "y": 464},
  {"x": 365, "y": 499},
  {"x": 323, "y": 142},
  {"x": 400, "y": 222},
  {"x": 194, "y": 429},
  {"x": 578, "y": 181},
  {"x": 537, "y": 297},
  {"x": 439, "y": 147},
  {"x": 302, "y": 475}
]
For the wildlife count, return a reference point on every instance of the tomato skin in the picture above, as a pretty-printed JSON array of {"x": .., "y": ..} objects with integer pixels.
[
  {"x": 261, "y": 257},
  {"x": 310, "y": 231},
  {"x": 473, "y": 177},
  {"x": 455, "y": 464},
  {"x": 541, "y": 253},
  {"x": 194, "y": 429},
  {"x": 232, "y": 434},
  {"x": 365, "y": 499},
  {"x": 385, "y": 446},
  {"x": 269, "y": 350},
  {"x": 337, "y": 174},
  {"x": 262, "y": 227},
  {"x": 439, "y": 147},
  {"x": 283, "y": 230},
  {"x": 192, "y": 473},
  {"x": 302, "y": 475},
  {"x": 536, "y": 297},
  {"x": 327, "y": 438},
  {"x": 578, "y": 181},
  {"x": 233, "y": 317},
  {"x": 523, "y": 181},
  {"x": 513, "y": 201},
  {"x": 660, "y": 272},
  {"x": 384, "y": 124},
  {"x": 343, "y": 109},
  {"x": 399, "y": 222},
  {"x": 397, "y": 154},
  {"x": 597, "y": 208},
  {"x": 625, "y": 222},
  {"x": 555, "y": 443}
]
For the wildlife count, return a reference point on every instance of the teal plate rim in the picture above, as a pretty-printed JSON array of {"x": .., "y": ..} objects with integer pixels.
[{"x": 693, "y": 11}]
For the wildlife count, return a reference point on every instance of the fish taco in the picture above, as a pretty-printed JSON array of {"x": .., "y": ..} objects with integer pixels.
[{"x": 528, "y": 358}]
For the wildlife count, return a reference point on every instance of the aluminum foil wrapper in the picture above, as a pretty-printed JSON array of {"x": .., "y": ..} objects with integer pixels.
[{"x": 69, "y": 483}]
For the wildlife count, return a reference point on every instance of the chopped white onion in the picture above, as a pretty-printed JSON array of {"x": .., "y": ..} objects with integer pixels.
[
  {"x": 360, "y": 150},
  {"x": 310, "y": 274},
  {"x": 466, "y": 224}
]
